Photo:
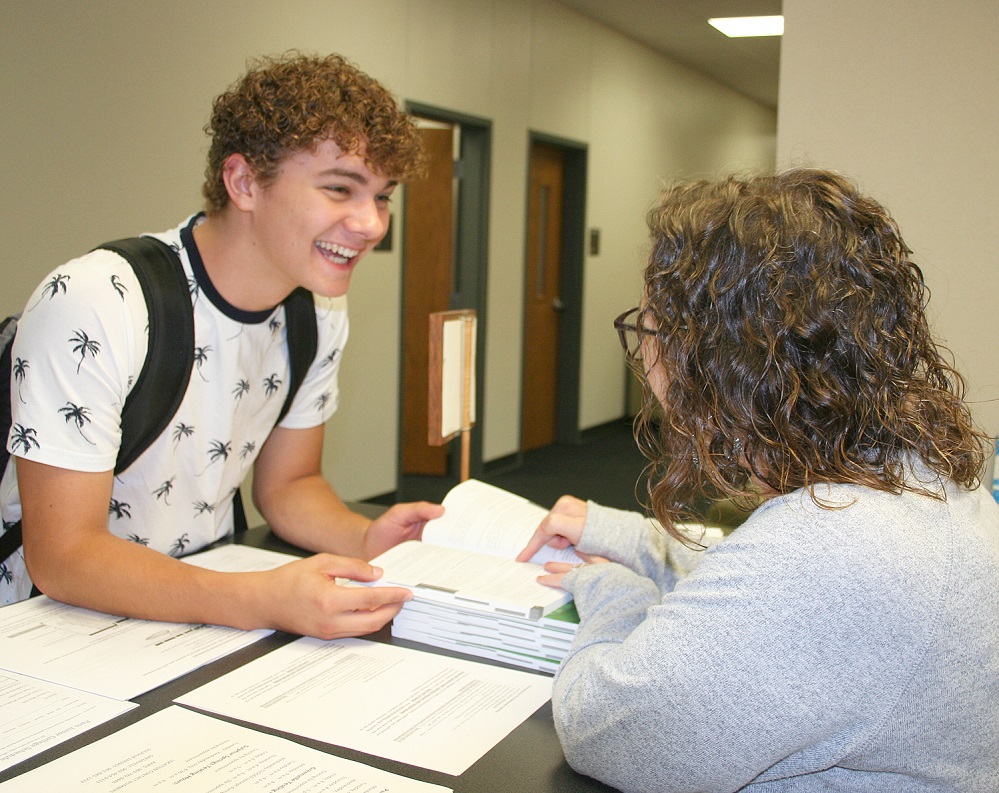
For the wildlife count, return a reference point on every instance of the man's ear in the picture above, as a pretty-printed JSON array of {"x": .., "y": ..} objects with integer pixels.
[{"x": 240, "y": 181}]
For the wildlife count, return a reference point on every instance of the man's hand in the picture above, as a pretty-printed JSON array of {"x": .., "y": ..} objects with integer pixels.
[
  {"x": 303, "y": 597},
  {"x": 561, "y": 527},
  {"x": 398, "y": 524}
]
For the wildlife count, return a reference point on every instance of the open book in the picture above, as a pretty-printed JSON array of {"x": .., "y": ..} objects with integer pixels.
[{"x": 466, "y": 558}]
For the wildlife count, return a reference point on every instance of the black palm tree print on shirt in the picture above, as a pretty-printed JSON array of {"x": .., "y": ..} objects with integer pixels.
[
  {"x": 120, "y": 509},
  {"x": 200, "y": 358},
  {"x": 179, "y": 545},
  {"x": 56, "y": 285},
  {"x": 118, "y": 286},
  {"x": 182, "y": 430},
  {"x": 217, "y": 450},
  {"x": 19, "y": 370},
  {"x": 24, "y": 438},
  {"x": 83, "y": 345},
  {"x": 80, "y": 416},
  {"x": 164, "y": 490},
  {"x": 272, "y": 384}
]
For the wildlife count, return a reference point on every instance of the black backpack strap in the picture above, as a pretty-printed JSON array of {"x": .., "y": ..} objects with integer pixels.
[
  {"x": 7, "y": 330},
  {"x": 10, "y": 541},
  {"x": 303, "y": 340},
  {"x": 162, "y": 382}
]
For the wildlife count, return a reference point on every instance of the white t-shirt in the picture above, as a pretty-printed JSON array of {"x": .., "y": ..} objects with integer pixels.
[{"x": 80, "y": 346}]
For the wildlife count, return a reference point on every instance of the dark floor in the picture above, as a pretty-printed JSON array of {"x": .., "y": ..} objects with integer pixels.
[{"x": 604, "y": 467}]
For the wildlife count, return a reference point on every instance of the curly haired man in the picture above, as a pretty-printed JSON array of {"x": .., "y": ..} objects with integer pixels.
[{"x": 305, "y": 155}]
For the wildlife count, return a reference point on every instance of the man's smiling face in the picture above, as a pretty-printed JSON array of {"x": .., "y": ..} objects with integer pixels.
[{"x": 322, "y": 213}]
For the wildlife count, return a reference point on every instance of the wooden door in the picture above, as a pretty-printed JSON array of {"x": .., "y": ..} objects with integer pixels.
[
  {"x": 542, "y": 299},
  {"x": 427, "y": 280}
]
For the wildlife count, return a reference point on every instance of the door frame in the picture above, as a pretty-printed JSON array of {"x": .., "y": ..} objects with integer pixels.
[
  {"x": 470, "y": 257},
  {"x": 571, "y": 269}
]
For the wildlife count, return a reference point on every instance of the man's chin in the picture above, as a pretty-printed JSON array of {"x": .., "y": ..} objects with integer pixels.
[{"x": 332, "y": 287}]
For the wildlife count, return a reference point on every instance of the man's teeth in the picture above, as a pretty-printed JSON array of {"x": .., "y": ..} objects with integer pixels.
[{"x": 339, "y": 252}]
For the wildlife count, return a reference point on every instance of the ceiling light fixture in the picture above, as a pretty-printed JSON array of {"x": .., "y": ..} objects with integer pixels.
[{"x": 738, "y": 27}]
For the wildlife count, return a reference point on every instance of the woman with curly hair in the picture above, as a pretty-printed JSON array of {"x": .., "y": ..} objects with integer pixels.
[
  {"x": 846, "y": 635},
  {"x": 305, "y": 154}
]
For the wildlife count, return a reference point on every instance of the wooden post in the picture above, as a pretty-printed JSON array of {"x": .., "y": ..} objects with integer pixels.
[{"x": 466, "y": 397}]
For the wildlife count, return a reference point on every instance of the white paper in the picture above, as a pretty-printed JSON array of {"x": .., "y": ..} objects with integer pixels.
[
  {"x": 37, "y": 715},
  {"x": 113, "y": 656},
  {"x": 418, "y": 708},
  {"x": 176, "y": 749},
  {"x": 239, "y": 559},
  {"x": 453, "y": 376}
]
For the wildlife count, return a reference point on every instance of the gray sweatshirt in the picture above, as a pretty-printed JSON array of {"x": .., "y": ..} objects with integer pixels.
[{"x": 849, "y": 649}]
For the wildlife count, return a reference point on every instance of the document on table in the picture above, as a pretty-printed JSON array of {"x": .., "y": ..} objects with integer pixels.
[
  {"x": 37, "y": 715},
  {"x": 419, "y": 708},
  {"x": 119, "y": 657},
  {"x": 192, "y": 753},
  {"x": 239, "y": 559}
]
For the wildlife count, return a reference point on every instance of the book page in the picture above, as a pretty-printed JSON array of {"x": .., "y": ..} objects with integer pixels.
[
  {"x": 487, "y": 519},
  {"x": 467, "y": 578}
]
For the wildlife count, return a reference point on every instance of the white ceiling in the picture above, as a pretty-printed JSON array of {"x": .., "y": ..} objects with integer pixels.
[{"x": 680, "y": 29}]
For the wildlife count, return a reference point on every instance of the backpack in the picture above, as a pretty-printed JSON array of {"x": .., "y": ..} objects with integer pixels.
[{"x": 162, "y": 381}]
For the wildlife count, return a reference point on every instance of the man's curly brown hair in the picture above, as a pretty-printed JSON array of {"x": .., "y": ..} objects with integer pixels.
[
  {"x": 791, "y": 332},
  {"x": 293, "y": 103}
]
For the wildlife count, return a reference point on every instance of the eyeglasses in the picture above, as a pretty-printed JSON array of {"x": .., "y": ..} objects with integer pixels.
[{"x": 630, "y": 333}]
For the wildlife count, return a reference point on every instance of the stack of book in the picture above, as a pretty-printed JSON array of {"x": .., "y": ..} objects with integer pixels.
[
  {"x": 539, "y": 644},
  {"x": 470, "y": 595}
]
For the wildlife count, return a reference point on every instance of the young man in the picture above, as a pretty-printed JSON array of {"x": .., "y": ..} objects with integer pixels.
[{"x": 305, "y": 155}]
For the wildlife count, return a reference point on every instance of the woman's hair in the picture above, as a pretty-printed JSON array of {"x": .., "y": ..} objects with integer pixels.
[
  {"x": 792, "y": 347},
  {"x": 295, "y": 102}
]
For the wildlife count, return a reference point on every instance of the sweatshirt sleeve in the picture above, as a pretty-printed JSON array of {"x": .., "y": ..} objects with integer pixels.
[{"x": 642, "y": 545}]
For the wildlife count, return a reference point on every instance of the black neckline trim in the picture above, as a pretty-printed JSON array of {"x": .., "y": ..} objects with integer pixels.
[{"x": 208, "y": 288}]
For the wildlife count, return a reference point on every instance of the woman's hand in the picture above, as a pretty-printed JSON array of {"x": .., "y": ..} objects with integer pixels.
[
  {"x": 561, "y": 527},
  {"x": 556, "y": 571}
]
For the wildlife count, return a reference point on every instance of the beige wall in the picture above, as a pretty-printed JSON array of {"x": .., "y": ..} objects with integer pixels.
[
  {"x": 102, "y": 106},
  {"x": 903, "y": 95}
]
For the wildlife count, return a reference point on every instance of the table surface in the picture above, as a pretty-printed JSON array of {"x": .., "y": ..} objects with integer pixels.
[{"x": 528, "y": 759}]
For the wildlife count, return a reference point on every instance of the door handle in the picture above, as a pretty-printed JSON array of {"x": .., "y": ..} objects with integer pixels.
[{"x": 557, "y": 304}]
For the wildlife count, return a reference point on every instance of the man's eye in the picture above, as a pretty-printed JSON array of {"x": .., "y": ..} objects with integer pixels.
[
  {"x": 384, "y": 200},
  {"x": 338, "y": 189}
]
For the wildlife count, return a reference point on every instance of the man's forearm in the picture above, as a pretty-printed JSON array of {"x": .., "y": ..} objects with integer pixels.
[
  {"x": 108, "y": 574},
  {"x": 309, "y": 515}
]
